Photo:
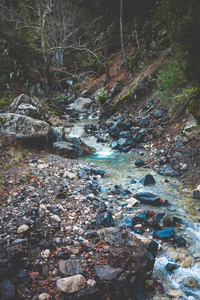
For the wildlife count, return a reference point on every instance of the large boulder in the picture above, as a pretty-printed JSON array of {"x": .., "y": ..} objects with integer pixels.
[
  {"x": 22, "y": 127},
  {"x": 19, "y": 100},
  {"x": 28, "y": 110},
  {"x": 56, "y": 134},
  {"x": 24, "y": 105},
  {"x": 72, "y": 148},
  {"x": 82, "y": 104}
]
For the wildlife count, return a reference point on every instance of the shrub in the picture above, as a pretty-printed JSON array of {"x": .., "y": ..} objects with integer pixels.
[{"x": 171, "y": 78}]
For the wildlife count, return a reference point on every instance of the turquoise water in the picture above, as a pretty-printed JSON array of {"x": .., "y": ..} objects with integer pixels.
[{"x": 120, "y": 170}]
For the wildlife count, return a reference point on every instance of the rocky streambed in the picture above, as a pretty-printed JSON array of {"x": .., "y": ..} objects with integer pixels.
[
  {"x": 54, "y": 243},
  {"x": 105, "y": 226}
]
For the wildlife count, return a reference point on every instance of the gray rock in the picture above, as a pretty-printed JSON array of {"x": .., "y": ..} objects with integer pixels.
[
  {"x": 72, "y": 148},
  {"x": 189, "y": 123},
  {"x": 113, "y": 235},
  {"x": 158, "y": 113},
  {"x": 7, "y": 290},
  {"x": 82, "y": 104},
  {"x": 168, "y": 170},
  {"x": 64, "y": 149},
  {"x": 69, "y": 268},
  {"x": 44, "y": 296},
  {"x": 56, "y": 134},
  {"x": 71, "y": 284},
  {"x": 179, "y": 141},
  {"x": 105, "y": 272},
  {"x": 28, "y": 110},
  {"x": 19, "y": 100},
  {"x": 22, "y": 127},
  {"x": 148, "y": 180},
  {"x": 191, "y": 282}
]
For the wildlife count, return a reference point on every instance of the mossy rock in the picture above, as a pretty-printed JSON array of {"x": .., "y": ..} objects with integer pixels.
[
  {"x": 124, "y": 99},
  {"x": 4, "y": 103}
]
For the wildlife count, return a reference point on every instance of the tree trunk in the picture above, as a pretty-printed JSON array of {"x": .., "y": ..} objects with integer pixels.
[
  {"x": 121, "y": 37},
  {"x": 105, "y": 42},
  {"x": 47, "y": 74}
]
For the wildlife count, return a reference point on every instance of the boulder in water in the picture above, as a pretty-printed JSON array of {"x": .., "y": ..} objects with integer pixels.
[
  {"x": 139, "y": 162},
  {"x": 147, "y": 180},
  {"x": 82, "y": 104},
  {"x": 148, "y": 198}
]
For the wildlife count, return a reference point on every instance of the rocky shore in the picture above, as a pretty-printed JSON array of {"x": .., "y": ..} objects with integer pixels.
[{"x": 58, "y": 239}]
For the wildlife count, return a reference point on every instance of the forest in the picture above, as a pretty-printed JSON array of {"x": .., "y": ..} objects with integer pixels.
[{"x": 44, "y": 44}]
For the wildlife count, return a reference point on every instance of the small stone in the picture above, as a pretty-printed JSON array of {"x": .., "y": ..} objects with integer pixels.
[
  {"x": 91, "y": 282},
  {"x": 187, "y": 262},
  {"x": 22, "y": 228},
  {"x": 69, "y": 175},
  {"x": 71, "y": 284},
  {"x": 132, "y": 201},
  {"x": 42, "y": 206},
  {"x": 78, "y": 230},
  {"x": 175, "y": 293},
  {"x": 46, "y": 253},
  {"x": 174, "y": 255},
  {"x": 44, "y": 296},
  {"x": 55, "y": 218},
  {"x": 42, "y": 166},
  {"x": 191, "y": 282}
]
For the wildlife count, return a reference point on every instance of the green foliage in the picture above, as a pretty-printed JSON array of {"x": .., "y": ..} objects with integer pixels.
[
  {"x": 57, "y": 97},
  {"x": 103, "y": 96},
  {"x": 183, "y": 24},
  {"x": 94, "y": 63},
  {"x": 185, "y": 95},
  {"x": 171, "y": 78}
]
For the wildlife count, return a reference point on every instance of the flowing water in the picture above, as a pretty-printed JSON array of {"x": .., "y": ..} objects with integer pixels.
[{"x": 120, "y": 170}]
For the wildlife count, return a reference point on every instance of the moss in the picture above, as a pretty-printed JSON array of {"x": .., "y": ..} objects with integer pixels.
[
  {"x": 4, "y": 102},
  {"x": 118, "y": 83},
  {"x": 2, "y": 121},
  {"x": 128, "y": 97}
]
